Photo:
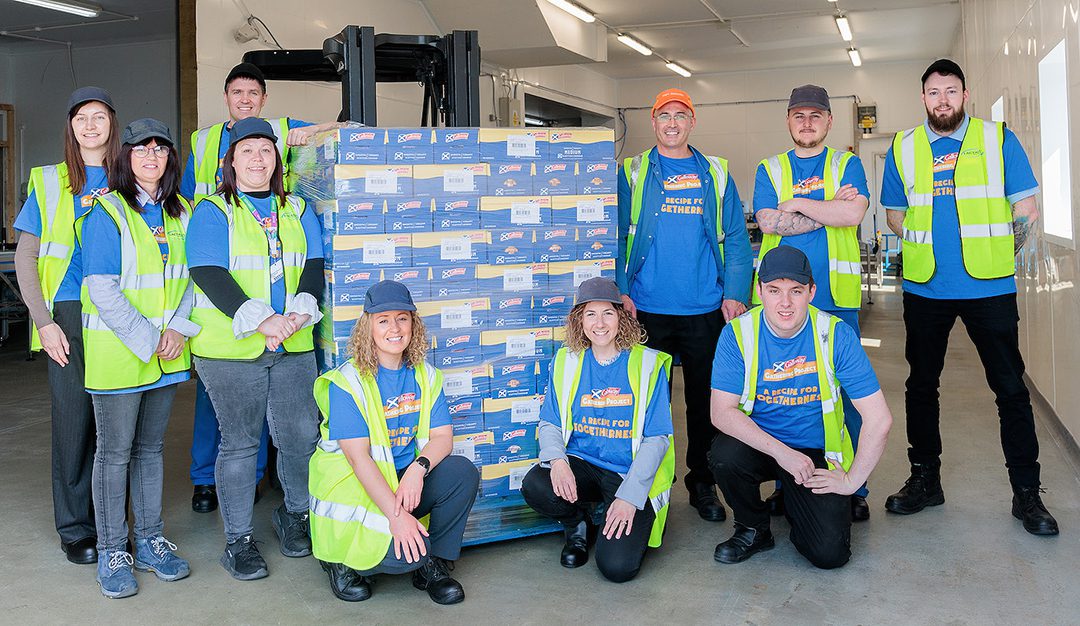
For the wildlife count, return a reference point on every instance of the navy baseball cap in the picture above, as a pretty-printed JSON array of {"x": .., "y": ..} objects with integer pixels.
[
  {"x": 388, "y": 295},
  {"x": 82, "y": 95},
  {"x": 139, "y": 131},
  {"x": 945, "y": 67},
  {"x": 246, "y": 70},
  {"x": 598, "y": 289},
  {"x": 785, "y": 262},
  {"x": 251, "y": 127},
  {"x": 809, "y": 96}
]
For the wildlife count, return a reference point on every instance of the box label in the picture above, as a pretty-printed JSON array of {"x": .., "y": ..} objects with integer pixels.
[
  {"x": 458, "y": 181},
  {"x": 590, "y": 210},
  {"x": 384, "y": 181},
  {"x": 378, "y": 252},
  {"x": 521, "y": 345},
  {"x": 451, "y": 317},
  {"x": 583, "y": 273},
  {"x": 455, "y": 248},
  {"x": 525, "y": 213},
  {"x": 518, "y": 279},
  {"x": 521, "y": 146},
  {"x": 525, "y": 411}
]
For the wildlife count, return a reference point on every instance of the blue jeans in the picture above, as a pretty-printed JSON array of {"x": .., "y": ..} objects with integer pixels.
[
  {"x": 277, "y": 387},
  {"x": 206, "y": 438},
  {"x": 130, "y": 441}
]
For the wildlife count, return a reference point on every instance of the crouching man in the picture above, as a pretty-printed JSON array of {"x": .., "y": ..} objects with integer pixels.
[{"x": 777, "y": 376}]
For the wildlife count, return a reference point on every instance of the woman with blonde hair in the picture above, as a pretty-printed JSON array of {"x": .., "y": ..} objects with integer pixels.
[
  {"x": 386, "y": 496},
  {"x": 605, "y": 436}
]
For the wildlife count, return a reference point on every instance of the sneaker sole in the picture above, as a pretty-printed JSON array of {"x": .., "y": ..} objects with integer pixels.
[
  {"x": 143, "y": 567},
  {"x": 764, "y": 548},
  {"x": 260, "y": 573},
  {"x": 891, "y": 506},
  {"x": 114, "y": 595},
  {"x": 293, "y": 554}
]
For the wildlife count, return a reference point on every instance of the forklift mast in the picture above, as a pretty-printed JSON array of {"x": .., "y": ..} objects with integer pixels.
[{"x": 448, "y": 67}]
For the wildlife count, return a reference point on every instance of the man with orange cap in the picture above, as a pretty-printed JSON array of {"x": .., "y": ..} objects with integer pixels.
[{"x": 685, "y": 266}]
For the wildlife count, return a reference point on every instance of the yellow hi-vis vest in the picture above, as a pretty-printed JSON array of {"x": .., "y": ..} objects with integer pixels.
[
  {"x": 346, "y": 524},
  {"x": 206, "y": 151},
  {"x": 845, "y": 258},
  {"x": 154, "y": 288},
  {"x": 249, "y": 264},
  {"x": 643, "y": 369},
  {"x": 49, "y": 184},
  {"x": 986, "y": 234},
  {"x": 747, "y": 327},
  {"x": 632, "y": 169}
]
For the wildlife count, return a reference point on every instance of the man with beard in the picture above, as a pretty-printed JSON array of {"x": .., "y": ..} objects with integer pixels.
[
  {"x": 813, "y": 198},
  {"x": 684, "y": 266},
  {"x": 960, "y": 193}
]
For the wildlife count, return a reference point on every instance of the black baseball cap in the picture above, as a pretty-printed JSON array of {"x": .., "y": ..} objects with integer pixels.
[
  {"x": 82, "y": 95},
  {"x": 809, "y": 96},
  {"x": 598, "y": 289},
  {"x": 945, "y": 67},
  {"x": 388, "y": 295},
  {"x": 785, "y": 262},
  {"x": 251, "y": 127},
  {"x": 246, "y": 70},
  {"x": 146, "y": 128}
]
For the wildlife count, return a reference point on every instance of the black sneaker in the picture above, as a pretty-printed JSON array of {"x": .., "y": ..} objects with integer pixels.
[
  {"x": 1028, "y": 507},
  {"x": 293, "y": 532},
  {"x": 921, "y": 490},
  {"x": 346, "y": 583},
  {"x": 434, "y": 576},
  {"x": 745, "y": 543},
  {"x": 243, "y": 561}
]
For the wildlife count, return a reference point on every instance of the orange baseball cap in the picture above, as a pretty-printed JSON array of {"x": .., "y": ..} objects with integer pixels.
[{"x": 672, "y": 95}]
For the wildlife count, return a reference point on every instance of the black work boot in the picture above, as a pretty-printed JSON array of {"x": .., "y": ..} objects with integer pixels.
[
  {"x": 434, "y": 577},
  {"x": 745, "y": 543},
  {"x": 921, "y": 490},
  {"x": 346, "y": 583},
  {"x": 703, "y": 498},
  {"x": 575, "y": 552},
  {"x": 1028, "y": 507},
  {"x": 775, "y": 503}
]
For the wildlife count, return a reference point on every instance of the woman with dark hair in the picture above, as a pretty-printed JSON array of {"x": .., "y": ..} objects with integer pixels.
[
  {"x": 256, "y": 260},
  {"x": 48, "y": 263},
  {"x": 136, "y": 300},
  {"x": 605, "y": 436},
  {"x": 383, "y": 463}
]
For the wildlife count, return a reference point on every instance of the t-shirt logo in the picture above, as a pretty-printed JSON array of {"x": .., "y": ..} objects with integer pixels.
[
  {"x": 400, "y": 405},
  {"x": 678, "y": 182},
  {"x": 609, "y": 397},
  {"x": 807, "y": 186},
  {"x": 88, "y": 199},
  {"x": 945, "y": 162},
  {"x": 784, "y": 370}
]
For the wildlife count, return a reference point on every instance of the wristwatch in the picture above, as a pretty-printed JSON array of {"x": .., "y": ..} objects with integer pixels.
[{"x": 423, "y": 462}]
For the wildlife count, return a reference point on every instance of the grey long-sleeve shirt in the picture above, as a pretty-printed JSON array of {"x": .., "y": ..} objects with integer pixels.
[{"x": 137, "y": 333}]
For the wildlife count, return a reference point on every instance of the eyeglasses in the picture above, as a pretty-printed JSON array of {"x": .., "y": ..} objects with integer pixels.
[
  {"x": 142, "y": 151},
  {"x": 664, "y": 118}
]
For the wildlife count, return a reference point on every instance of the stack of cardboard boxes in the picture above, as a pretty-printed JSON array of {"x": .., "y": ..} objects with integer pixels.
[{"x": 492, "y": 229}]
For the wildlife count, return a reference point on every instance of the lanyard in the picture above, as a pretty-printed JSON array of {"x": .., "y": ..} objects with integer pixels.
[{"x": 270, "y": 227}]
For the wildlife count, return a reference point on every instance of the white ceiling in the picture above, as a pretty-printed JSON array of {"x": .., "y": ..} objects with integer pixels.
[
  {"x": 156, "y": 20},
  {"x": 780, "y": 33}
]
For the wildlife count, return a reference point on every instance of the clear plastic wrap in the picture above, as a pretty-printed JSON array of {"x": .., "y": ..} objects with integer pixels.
[{"x": 491, "y": 230}]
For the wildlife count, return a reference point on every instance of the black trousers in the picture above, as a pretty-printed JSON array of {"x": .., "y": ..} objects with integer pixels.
[
  {"x": 618, "y": 560},
  {"x": 693, "y": 338},
  {"x": 991, "y": 323},
  {"x": 820, "y": 523},
  {"x": 74, "y": 434}
]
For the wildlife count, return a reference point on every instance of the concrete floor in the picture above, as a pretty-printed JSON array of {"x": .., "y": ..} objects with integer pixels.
[{"x": 968, "y": 561}]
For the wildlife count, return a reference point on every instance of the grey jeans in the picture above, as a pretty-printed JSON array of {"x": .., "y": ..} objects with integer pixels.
[
  {"x": 130, "y": 440},
  {"x": 280, "y": 387}
]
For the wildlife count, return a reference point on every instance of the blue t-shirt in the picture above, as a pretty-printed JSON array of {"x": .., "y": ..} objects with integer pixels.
[
  {"x": 29, "y": 221},
  {"x": 401, "y": 409},
  {"x": 603, "y": 413},
  {"x": 208, "y": 239},
  {"x": 788, "y": 402},
  {"x": 681, "y": 257},
  {"x": 808, "y": 181},
  {"x": 950, "y": 279},
  {"x": 101, "y": 240},
  {"x": 187, "y": 181}
]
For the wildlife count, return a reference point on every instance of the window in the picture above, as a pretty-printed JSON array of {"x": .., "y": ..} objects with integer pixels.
[{"x": 1056, "y": 182}]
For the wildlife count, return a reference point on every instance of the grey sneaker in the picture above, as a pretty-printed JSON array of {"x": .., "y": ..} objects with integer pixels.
[
  {"x": 243, "y": 561},
  {"x": 114, "y": 574},
  {"x": 293, "y": 532},
  {"x": 157, "y": 554}
]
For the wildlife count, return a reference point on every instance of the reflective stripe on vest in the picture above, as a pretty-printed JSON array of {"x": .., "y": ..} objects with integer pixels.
[
  {"x": 643, "y": 370},
  {"x": 747, "y": 329},
  {"x": 634, "y": 166},
  {"x": 346, "y": 524},
  {"x": 56, "y": 206},
  {"x": 984, "y": 213},
  {"x": 206, "y": 154},
  {"x": 249, "y": 265},
  {"x": 154, "y": 288},
  {"x": 842, "y": 242}
]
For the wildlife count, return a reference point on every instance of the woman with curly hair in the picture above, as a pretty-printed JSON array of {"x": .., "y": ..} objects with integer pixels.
[
  {"x": 386, "y": 496},
  {"x": 605, "y": 436}
]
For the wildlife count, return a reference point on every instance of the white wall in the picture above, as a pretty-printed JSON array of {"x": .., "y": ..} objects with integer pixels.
[
  {"x": 745, "y": 132},
  {"x": 1048, "y": 276},
  {"x": 141, "y": 77}
]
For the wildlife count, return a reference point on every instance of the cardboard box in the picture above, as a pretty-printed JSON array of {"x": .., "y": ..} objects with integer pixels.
[
  {"x": 510, "y": 378},
  {"x": 554, "y": 179},
  {"x": 596, "y": 242},
  {"x": 554, "y": 244},
  {"x": 467, "y": 408},
  {"x": 455, "y": 213},
  {"x": 566, "y": 276},
  {"x": 368, "y": 251},
  {"x": 510, "y": 311},
  {"x": 409, "y": 145},
  {"x": 372, "y": 180},
  {"x": 466, "y": 424},
  {"x": 465, "y": 381},
  {"x": 513, "y": 144},
  {"x": 543, "y": 366},
  {"x": 454, "y": 315},
  {"x": 342, "y": 320},
  {"x": 582, "y": 144},
  {"x": 585, "y": 210},
  {"x": 527, "y": 278},
  {"x": 512, "y": 412},
  {"x": 517, "y": 212},
  {"x": 512, "y": 246},
  {"x": 473, "y": 446},
  {"x": 552, "y": 310},
  {"x": 451, "y": 179},
  {"x": 457, "y": 145},
  {"x": 354, "y": 146},
  {"x": 597, "y": 177},
  {"x": 410, "y": 215},
  {"x": 511, "y": 179},
  {"x": 352, "y": 216},
  {"x": 514, "y": 443},
  {"x": 504, "y": 479},
  {"x": 349, "y": 286},
  {"x": 417, "y": 279},
  {"x": 454, "y": 282},
  {"x": 460, "y": 247},
  {"x": 516, "y": 343}
]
